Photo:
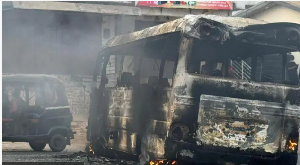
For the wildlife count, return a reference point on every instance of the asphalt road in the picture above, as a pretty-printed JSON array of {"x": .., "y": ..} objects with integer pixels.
[
  {"x": 48, "y": 156},
  {"x": 21, "y": 152},
  {"x": 30, "y": 156},
  {"x": 25, "y": 154}
]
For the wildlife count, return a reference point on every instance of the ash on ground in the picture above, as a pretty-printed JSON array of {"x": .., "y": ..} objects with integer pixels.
[{"x": 95, "y": 160}]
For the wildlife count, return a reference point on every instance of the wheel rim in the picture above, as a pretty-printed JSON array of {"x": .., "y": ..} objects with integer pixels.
[{"x": 57, "y": 142}]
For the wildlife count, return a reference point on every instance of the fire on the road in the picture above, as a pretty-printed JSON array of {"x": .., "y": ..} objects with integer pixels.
[
  {"x": 292, "y": 145},
  {"x": 91, "y": 150},
  {"x": 167, "y": 162}
]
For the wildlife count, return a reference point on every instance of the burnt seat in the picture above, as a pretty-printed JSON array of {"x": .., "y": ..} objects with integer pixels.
[
  {"x": 153, "y": 81},
  {"x": 126, "y": 80}
]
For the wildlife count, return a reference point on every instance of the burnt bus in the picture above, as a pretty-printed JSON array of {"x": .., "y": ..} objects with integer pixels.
[{"x": 177, "y": 99}]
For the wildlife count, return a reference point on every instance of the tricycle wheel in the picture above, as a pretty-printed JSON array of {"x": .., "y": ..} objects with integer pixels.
[
  {"x": 57, "y": 143},
  {"x": 37, "y": 146}
]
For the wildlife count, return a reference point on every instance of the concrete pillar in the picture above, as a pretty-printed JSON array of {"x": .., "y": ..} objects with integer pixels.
[{"x": 108, "y": 28}]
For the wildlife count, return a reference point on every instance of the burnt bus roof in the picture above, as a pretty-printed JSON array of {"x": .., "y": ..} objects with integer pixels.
[
  {"x": 227, "y": 27},
  {"x": 30, "y": 78}
]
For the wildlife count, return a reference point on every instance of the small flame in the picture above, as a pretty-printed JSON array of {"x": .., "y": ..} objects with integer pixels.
[
  {"x": 91, "y": 150},
  {"x": 292, "y": 145},
  {"x": 158, "y": 162}
]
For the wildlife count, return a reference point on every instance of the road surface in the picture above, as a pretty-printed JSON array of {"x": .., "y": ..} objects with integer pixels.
[
  {"x": 27, "y": 155},
  {"x": 21, "y": 152}
]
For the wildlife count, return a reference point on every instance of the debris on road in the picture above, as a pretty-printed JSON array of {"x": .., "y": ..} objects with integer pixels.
[{"x": 92, "y": 159}]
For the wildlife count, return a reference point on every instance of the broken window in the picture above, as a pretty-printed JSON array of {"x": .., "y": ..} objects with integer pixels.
[
  {"x": 150, "y": 71},
  {"x": 206, "y": 60},
  {"x": 127, "y": 68},
  {"x": 11, "y": 89},
  {"x": 36, "y": 94},
  {"x": 140, "y": 63},
  {"x": 169, "y": 71},
  {"x": 160, "y": 53},
  {"x": 240, "y": 69},
  {"x": 111, "y": 71},
  {"x": 50, "y": 95},
  {"x": 171, "y": 57},
  {"x": 238, "y": 60}
]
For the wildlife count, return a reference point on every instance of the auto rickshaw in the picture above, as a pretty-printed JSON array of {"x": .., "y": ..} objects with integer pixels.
[{"x": 35, "y": 109}]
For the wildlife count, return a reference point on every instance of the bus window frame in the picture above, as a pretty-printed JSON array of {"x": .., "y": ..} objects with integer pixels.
[
  {"x": 254, "y": 64},
  {"x": 106, "y": 54}
]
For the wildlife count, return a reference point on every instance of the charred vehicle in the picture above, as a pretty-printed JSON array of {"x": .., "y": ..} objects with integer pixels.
[
  {"x": 178, "y": 96},
  {"x": 35, "y": 110}
]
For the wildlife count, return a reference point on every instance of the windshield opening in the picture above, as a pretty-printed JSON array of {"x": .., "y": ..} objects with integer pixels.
[
  {"x": 35, "y": 94},
  {"x": 238, "y": 60}
]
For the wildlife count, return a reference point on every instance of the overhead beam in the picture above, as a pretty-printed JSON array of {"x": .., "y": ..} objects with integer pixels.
[
  {"x": 262, "y": 6},
  {"x": 107, "y": 9},
  {"x": 290, "y": 5}
]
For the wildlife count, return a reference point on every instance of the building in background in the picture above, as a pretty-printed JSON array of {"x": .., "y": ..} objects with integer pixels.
[
  {"x": 64, "y": 38},
  {"x": 242, "y": 5},
  {"x": 274, "y": 11}
]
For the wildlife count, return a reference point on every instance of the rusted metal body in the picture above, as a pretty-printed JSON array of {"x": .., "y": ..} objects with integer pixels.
[{"x": 199, "y": 115}]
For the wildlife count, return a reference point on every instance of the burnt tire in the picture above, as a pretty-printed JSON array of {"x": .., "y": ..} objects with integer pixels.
[
  {"x": 57, "y": 143},
  {"x": 37, "y": 146}
]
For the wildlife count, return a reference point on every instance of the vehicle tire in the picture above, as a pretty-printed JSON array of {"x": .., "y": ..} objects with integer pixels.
[
  {"x": 37, "y": 146},
  {"x": 57, "y": 143}
]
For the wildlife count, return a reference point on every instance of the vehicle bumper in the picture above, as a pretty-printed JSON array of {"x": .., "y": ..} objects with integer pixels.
[
  {"x": 71, "y": 133},
  {"x": 193, "y": 153}
]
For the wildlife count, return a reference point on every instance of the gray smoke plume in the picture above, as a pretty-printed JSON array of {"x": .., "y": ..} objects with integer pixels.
[{"x": 50, "y": 42}]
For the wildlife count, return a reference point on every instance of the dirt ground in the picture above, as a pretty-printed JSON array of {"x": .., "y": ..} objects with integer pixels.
[{"x": 79, "y": 125}]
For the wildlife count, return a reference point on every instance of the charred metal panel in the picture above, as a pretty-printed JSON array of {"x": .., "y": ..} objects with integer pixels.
[
  {"x": 119, "y": 122},
  {"x": 154, "y": 139},
  {"x": 162, "y": 112},
  {"x": 120, "y": 102},
  {"x": 191, "y": 85},
  {"x": 123, "y": 140},
  {"x": 241, "y": 123},
  {"x": 120, "y": 111},
  {"x": 153, "y": 144},
  {"x": 186, "y": 25}
]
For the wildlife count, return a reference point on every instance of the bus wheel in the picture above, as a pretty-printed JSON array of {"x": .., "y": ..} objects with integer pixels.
[
  {"x": 57, "y": 143},
  {"x": 37, "y": 146}
]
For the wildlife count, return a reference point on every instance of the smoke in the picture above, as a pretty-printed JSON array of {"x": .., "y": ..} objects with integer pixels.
[{"x": 50, "y": 42}]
